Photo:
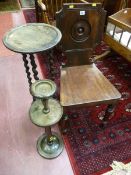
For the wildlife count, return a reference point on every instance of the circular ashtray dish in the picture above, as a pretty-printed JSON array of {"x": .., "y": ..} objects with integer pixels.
[
  {"x": 32, "y": 38},
  {"x": 43, "y": 88},
  {"x": 40, "y": 118}
]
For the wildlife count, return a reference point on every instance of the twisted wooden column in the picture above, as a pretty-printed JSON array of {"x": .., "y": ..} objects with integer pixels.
[
  {"x": 34, "y": 66},
  {"x": 27, "y": 69}
]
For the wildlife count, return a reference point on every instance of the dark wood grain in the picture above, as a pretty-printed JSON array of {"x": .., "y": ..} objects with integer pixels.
[
  {"x": 86, "y": 85},
  {"x": 80, "y": 33}
]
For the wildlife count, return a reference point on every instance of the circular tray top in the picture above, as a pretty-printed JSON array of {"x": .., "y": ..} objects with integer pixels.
[
  {"x": 43, "y": 88},
  {"x": 40, "y": 118},
  {"x": 32, "y": 38}
]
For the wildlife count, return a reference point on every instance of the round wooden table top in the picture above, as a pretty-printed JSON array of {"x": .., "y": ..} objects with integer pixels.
[{"x": 32, "y": 38}]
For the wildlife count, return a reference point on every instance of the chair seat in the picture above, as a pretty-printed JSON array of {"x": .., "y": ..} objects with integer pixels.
[{"x": 86, "y": 85}]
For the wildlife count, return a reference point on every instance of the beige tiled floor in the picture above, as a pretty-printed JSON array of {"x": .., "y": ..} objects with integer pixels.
[{"x": 18, "y": 136}]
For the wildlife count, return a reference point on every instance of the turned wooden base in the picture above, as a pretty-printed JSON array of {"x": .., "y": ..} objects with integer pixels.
[{"x": 109, "y": 110}]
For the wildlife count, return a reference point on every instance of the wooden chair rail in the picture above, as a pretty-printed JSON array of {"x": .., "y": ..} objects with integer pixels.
[{"x": 119, "y": 27}]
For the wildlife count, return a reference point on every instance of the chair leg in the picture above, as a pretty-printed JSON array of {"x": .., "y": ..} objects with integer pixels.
[
  {"x": 110, "y": 109},
  {"x": 64, "y": 124}
]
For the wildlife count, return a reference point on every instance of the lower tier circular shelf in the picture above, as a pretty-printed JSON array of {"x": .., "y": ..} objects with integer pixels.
[{"x": 40, "y": 118}]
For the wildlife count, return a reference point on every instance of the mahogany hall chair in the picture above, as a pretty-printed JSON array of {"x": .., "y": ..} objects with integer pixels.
[{"x": 81, "y": 82}]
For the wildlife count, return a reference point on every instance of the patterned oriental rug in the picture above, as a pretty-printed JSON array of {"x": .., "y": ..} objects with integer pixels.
[{"x": 92, "y": 150}]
